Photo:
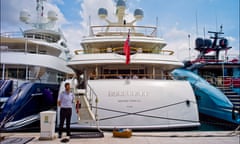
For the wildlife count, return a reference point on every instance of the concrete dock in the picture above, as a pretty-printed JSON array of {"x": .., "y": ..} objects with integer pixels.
[{"x": 186, "y": 137}]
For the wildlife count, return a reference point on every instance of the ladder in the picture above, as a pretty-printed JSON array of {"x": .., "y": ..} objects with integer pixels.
[{"x": 85, "y": 112}]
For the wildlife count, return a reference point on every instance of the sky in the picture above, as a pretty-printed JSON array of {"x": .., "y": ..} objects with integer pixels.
[{"x": 177, "y": 19}]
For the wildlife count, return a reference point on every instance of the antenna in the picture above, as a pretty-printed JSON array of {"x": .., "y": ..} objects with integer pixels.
[
  {"x": 196, "y": 22},
  {"x": 204, "y": 32},
  {"x": 157, "y": 26},
  {"x": 40, "y": 10},
  {"x": 189, "y": 50},
  {"x": 89, "y": 22},
  {"x": 216, "y": 23},
  {"x": 221, "y": 27}
]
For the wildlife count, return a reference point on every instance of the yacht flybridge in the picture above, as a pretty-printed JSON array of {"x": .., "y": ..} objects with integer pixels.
[{"x": 138, "y": 95}]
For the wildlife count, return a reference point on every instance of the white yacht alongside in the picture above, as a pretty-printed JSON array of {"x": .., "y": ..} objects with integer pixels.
[
  {"x": 39, "y": 54},
  {"x": 33, "y": 63},
  {"x": 138, "y": 95}
]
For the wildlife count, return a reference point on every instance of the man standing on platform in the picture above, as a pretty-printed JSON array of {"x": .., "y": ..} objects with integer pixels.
[{"x": 65, "y": 100}]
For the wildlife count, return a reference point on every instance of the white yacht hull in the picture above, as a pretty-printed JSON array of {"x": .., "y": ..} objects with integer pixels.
[{"x": 141, "y": 104}]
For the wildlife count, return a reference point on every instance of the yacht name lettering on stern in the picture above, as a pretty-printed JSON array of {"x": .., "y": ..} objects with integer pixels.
[{"x": 127, "y": 93}]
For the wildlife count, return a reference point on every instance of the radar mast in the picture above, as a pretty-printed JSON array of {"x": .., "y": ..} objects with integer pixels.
[
  {"x": 41, "y": 22},
  {"x": 120, "y": 13}
]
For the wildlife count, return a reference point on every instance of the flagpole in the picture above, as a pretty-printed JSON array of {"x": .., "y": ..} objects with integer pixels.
[{"x": 126, "y": 47}]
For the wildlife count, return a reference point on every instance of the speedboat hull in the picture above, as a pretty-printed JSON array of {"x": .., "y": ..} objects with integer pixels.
[
  {"x": 23, "y": 107},
  {"x": 211, "y": 101}
]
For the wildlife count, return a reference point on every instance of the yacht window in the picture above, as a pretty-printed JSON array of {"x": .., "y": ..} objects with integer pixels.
[
  {"x": 16, "y": 73},
  {"x": 37, "y": 36},
  {"x": 42, "y": 52},
  {"x": 123, "y": 73}
]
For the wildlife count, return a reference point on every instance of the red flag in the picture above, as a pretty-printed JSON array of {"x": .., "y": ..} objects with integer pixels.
[{"x": 127, "y": 49}]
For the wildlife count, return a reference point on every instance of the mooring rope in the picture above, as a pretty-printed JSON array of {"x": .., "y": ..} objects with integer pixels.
[{"x": 123, "y": 113}]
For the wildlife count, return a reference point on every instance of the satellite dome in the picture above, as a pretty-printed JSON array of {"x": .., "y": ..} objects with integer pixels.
[
  {"x": 52, "y": 15},
  {"x": 121, "y": 3},
  {"x": 207, "y": 43},
  {"x": 223, "y": 43},
  {"x": 24, "y": 15},
  {"x": 199, "y": 42},
  {"x": 138, "y": 13},
  {"x": 102, "y": 13}
]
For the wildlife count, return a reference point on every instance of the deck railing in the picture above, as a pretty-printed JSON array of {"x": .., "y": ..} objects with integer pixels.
[
  {"x": 224, "y": 81},
  {"x": 131, "y": 76},
  {"x": 37, "y": 36},
  {"x": 12, "y": 34},
  {"x": 118, "y": 30},
  {"x": 119, "y": 50}
]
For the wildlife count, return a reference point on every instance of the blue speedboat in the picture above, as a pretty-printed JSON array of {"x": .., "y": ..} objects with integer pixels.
[
  {"x": 6, "y": 87},
  {"x": 215, "y": 81},
  {"x": 23, "y": 106},
  {"x": 211, "y": 101}
]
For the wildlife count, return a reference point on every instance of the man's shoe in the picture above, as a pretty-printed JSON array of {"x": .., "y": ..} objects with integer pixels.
[
  {"x": 65, "y": 140},
  {"x": 68, "y": 134}
]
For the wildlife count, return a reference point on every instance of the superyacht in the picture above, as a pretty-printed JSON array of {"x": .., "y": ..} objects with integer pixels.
[{"x": 123, "y": 79}]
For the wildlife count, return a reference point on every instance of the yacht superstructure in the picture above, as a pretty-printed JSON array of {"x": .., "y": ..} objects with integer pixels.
[
  {"x": 140, "y": 94},
  {"x": 33, "y": 63},
  {"x": 38, "y": 54}
]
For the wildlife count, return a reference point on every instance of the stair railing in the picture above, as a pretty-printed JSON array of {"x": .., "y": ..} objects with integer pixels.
[{"x": 91, "y": 94}]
